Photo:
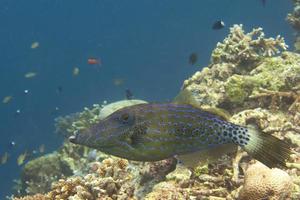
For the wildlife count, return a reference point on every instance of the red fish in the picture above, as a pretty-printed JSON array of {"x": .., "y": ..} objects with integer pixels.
[{"x": 94, "y": 61}]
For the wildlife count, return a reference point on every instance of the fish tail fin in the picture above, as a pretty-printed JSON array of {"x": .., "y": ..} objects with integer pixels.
[{"x": 267, "y": 149}]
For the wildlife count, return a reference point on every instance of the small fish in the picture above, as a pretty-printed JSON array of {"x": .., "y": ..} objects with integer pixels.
[
  {"x": 76, "y": 71},
  {"x": 218, "y": 25},
  {"x": 30, "y": 75},
  {"x": 94, "y": 61},
  {"x": 193, "y": 58},
  {"x": 42, "y": 148},
  {"x": 18, "y": 112},
  {"x": 26, "y": 91},
  {"x": 118, "y": 81},
  {"x": 59, "y": 89},
  {"x": 4, "y": 158},
  {"x": 21, "y": 158},
  {"x": 35, "y": 45},
  {"x": 156, "y": 131},
  {"x": 13, "y": 143},
  {"x": 7, "y": 99},
  {"x": 263, "y": 2},
  {"x": 128, "y": 94}
]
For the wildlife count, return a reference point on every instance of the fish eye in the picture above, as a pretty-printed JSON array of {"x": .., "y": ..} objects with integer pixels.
[{"x": 124, "y": 117}]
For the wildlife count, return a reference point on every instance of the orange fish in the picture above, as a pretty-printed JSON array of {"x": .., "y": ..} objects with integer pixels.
[{"x": 94, "y": 61}]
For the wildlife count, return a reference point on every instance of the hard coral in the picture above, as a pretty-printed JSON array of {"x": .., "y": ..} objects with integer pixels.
[
  {"x": 239, "y": 48},
  {"x": 73, "y": 188},
  {"x": 277, "y": 75},
  {"x": 262, "y": 182}
]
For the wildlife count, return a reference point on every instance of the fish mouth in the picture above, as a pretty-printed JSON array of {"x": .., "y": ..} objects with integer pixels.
[{"x": 72, "y": 139}]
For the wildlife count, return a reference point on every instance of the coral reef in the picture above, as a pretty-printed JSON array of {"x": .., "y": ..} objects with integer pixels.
[
  {"x": 240, "y": 48},
  {"x": 248, "y": 80},
  {"x": 39, "y": 173},
  {"x": 275, "y": 79},
  {"x": 264, "y": 92}
]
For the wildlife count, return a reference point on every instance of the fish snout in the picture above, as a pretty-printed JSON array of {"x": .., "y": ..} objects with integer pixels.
[{"x": 73, "y": 138}]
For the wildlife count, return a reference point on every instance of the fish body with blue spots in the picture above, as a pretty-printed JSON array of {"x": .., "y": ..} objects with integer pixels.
[{"x": 152, "y": 132}]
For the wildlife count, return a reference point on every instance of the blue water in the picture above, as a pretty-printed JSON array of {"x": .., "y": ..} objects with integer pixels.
[{"x": 146, "y": 43}]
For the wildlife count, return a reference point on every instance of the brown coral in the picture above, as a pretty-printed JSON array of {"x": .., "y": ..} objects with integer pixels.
[{"x": 262, "y": 182}]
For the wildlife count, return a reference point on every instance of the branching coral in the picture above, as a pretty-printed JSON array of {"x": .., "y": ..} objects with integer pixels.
[
  {"x": 278, "y": 75},
  {"x": 240, "y": 48}
]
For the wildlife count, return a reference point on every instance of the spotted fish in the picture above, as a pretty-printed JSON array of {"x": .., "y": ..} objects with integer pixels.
[{"x": 152, "y": 132}]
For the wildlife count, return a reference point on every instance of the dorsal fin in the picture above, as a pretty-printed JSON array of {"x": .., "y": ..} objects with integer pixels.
[{"x": 186, "y": 97}]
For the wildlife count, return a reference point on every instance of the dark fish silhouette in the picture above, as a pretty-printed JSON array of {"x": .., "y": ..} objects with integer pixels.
[
  {"x": 128, "y": 94},
  {"x": 59, "y": 89},
  {"x": 193, "y": 58},
  {"x": 263, "y": 2},
  {"x": 218, "y": 25}
]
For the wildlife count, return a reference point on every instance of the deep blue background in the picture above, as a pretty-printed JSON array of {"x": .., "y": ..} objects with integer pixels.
[{"x": 147, "y": 43}]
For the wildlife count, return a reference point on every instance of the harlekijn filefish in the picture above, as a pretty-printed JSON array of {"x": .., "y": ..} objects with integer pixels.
[{"x": 154, "y": 131}]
